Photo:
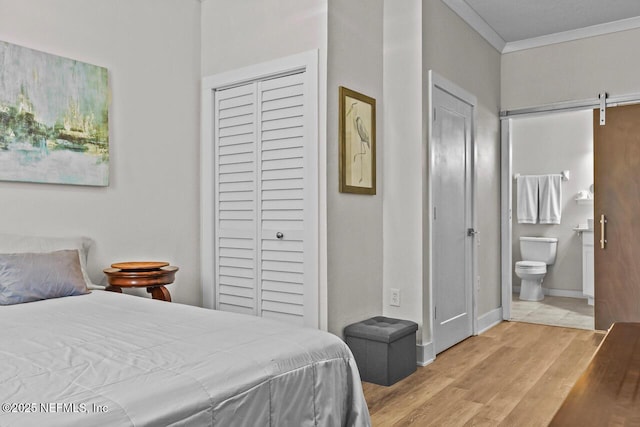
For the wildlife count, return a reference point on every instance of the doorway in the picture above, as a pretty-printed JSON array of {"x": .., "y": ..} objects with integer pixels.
[
  {"x": 452, "y": 180},
  {"x": 553, "y": 144},
  {"x": 615, "y": 265}
]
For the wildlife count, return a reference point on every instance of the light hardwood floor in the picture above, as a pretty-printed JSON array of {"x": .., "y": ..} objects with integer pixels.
[{"x": 515, "y": 374}]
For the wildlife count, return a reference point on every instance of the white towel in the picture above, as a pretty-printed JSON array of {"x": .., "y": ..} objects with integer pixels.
[
  {"x": 527, "y": 199},
  {"x": 550, "y": 188}
]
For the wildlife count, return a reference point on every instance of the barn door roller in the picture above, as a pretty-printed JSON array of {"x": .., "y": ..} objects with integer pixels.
[{"x": 603, "y": 107}]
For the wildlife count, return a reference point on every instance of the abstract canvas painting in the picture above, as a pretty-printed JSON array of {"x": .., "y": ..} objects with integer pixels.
[{"x": 54, "y": 124}]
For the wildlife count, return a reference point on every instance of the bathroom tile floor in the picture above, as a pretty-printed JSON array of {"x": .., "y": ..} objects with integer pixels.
[{"x": 555, "y": 311}]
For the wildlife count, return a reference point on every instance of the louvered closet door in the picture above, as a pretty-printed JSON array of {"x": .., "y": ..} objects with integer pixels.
[
  {"x": 265, "y": 254},
  {"x": 235, "y": 199},
  {"x": 282, "y": 198}
]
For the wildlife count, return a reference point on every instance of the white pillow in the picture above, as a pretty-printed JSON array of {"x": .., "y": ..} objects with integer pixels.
[{"x": 15, "y": 243}]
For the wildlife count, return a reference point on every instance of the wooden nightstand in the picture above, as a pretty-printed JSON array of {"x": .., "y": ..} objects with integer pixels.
[{"x": 152, "y": 276}]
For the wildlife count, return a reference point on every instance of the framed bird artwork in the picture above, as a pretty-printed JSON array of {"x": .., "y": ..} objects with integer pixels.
[{"x": 357, "y": 142}]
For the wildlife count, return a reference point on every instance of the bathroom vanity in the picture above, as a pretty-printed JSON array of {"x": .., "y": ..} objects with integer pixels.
[{"x": 587, "y": 264}]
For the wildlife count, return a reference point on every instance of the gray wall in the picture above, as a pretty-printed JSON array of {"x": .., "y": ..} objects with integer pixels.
[
  {"x": 348, "y": 35},
  {"x": 574, "y": 70},
  {"x": 150, "y": 209},
  {"x": 354, "y": 220},
  {"x": 550, "y": 144},
  {"x": 238, "y": 34},
  {"x": 459, "y": 54},
  {"x": 404, "y": 147},
  {"x": 157, "y": 51},
  {"x": 241, "y": 33}
]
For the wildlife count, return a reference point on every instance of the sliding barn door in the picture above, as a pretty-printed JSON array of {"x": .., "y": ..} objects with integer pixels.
[
  {"x": 616, "y": 225},
  {"x": 265, "y": 201}
]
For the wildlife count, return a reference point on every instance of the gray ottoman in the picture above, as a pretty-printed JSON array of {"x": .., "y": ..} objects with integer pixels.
[{"x": 384, "y": 348}]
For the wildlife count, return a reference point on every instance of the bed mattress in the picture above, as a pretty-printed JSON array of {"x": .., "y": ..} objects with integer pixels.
[{"x": 114, "y": 359}]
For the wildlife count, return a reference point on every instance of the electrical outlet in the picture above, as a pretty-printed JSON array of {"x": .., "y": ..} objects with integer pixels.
[{"x": 395, "y": 297}]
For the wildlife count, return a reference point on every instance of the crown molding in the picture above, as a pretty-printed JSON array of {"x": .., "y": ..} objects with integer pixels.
[
  {"x": 580, "y": 33},
  {"x": 464, "y": 11}
]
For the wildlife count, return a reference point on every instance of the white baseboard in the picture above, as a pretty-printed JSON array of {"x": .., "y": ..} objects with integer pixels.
[
  {"x": 489, "y": 320},
  {"x": 425, "y": 354},
  {"x": 564, "y": 293},
  {"x": 556, "y": 292}
]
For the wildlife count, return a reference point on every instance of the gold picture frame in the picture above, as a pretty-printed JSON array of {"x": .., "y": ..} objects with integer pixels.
[{"x": 357, "y": 142}]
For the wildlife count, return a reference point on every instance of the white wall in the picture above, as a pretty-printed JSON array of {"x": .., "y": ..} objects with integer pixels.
[
  {"x": 550, "y": 144},
  {"x": 354, "y": 220},
  {"x": 402, "y": 205},
  {"x": 573, "y": 70},
  {"x": 456, "y": 52},
  {"x": 150, "y": 209}
]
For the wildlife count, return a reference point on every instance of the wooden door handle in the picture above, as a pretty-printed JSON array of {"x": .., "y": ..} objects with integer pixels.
[{"x": 603, "y": 221}]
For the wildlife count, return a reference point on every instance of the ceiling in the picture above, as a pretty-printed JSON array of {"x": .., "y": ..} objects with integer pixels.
[{"x": 511, "y": 25}]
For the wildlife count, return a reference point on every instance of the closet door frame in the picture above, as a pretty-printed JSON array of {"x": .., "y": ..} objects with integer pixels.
[{"x": 315, "y": 173}]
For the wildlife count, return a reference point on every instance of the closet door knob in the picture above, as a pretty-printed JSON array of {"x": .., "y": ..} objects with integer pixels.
[{"x": 279, "y": 235}]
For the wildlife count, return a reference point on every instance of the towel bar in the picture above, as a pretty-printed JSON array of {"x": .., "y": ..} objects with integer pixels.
[{"x": 564, "y": 174}]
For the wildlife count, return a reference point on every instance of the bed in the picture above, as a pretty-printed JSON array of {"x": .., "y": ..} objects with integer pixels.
[{"x": 103, "y": 358}]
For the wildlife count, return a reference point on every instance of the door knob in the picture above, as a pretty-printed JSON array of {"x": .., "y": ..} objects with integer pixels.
[{"x": 279, "y": 235}]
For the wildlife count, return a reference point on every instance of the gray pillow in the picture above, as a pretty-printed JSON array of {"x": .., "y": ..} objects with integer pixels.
[
  {"x": 26, "y": 277},
  {"x": 17, "y": 243}
]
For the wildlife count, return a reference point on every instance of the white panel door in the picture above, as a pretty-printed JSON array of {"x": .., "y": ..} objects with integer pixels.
[
  {"x": 452, "y": 217},
  {"x": 270, "y": 209}
]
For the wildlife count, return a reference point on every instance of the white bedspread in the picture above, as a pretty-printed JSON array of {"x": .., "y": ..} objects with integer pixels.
[{"x": 111, "y": 359}]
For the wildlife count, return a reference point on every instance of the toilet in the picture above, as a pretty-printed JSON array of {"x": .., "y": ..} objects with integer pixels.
[{"x": 537, "y": 253}]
